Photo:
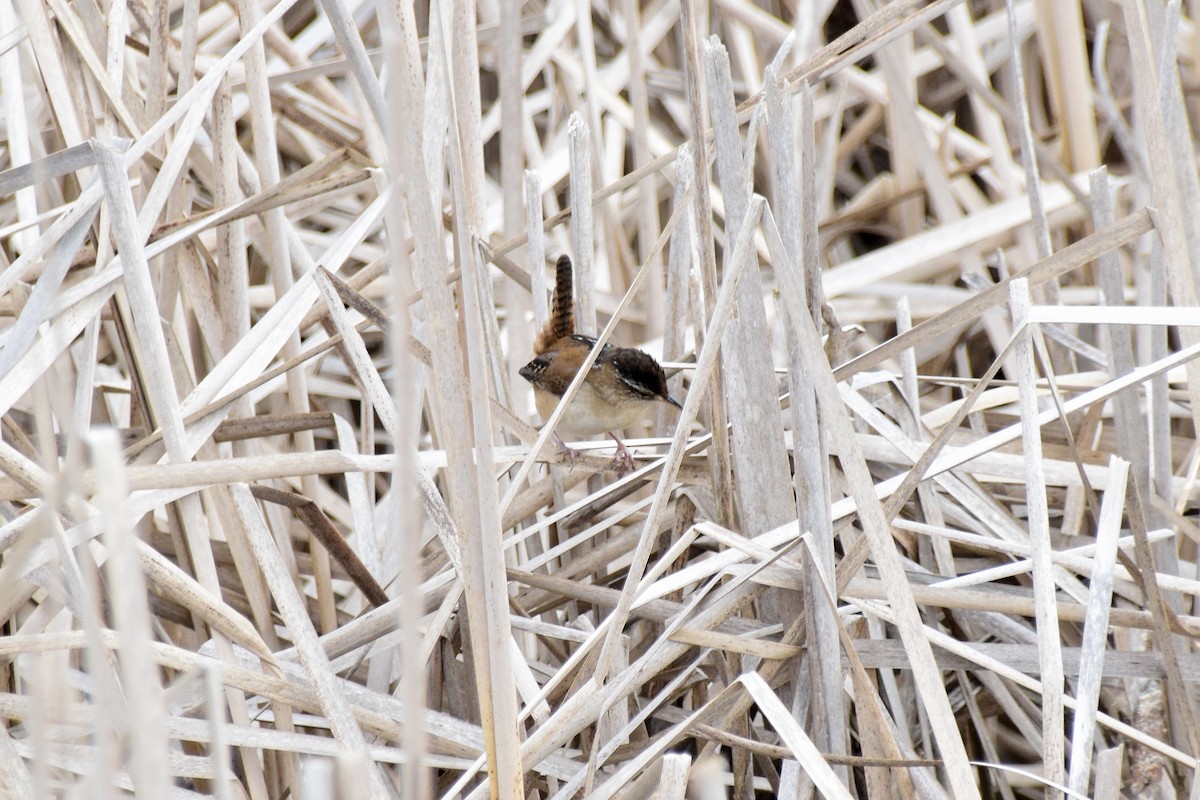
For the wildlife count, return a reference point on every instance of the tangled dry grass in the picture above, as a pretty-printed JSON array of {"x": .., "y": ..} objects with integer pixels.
[{"x": 276, "y": 520}]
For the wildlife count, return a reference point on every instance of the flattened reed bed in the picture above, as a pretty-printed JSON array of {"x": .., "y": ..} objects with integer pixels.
[{"x": 278, "y": 518}]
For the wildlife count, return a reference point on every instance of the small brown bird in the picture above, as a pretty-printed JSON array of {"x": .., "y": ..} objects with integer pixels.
[{"x": 621, "y": 385}]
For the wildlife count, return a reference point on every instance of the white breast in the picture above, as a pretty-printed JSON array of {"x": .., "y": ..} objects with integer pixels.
[{"x": 588, "y": 414}]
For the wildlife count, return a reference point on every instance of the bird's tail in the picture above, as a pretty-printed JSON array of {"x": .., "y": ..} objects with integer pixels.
[{"x": 562, "y": 317}]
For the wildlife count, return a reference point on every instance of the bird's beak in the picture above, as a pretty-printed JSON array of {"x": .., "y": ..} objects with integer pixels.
[{"x": 673, "y": 402}]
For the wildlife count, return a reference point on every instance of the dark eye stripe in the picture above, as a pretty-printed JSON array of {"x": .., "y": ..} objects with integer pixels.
[{"x": 639, "y": 388}]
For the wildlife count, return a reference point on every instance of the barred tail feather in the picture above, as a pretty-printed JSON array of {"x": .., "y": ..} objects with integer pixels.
[{"x": 562, "y": 317}]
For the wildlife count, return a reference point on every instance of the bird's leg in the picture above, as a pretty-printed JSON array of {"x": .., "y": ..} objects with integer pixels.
[
  {"x": 566, "y": 452},
  {"x": 623, "y": 461}
]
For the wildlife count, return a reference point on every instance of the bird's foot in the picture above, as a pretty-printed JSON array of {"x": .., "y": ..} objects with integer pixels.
[
  {"x": 569, "y": 455},
  {"x": 623, "y": 461}
]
